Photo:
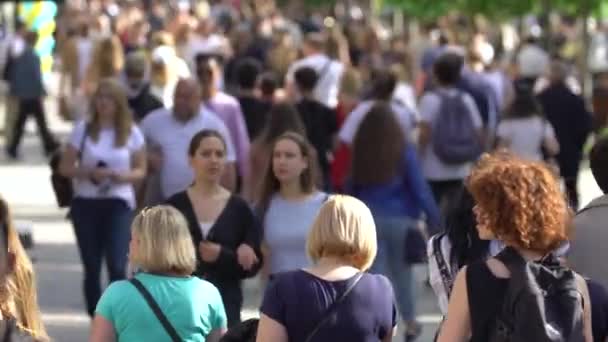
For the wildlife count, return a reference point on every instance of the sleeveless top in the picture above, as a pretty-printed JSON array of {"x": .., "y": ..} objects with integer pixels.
[{"x": 486, "y": 293}]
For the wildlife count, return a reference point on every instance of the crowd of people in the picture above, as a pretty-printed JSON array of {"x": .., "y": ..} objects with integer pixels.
[{"x": 214, "y": 144}]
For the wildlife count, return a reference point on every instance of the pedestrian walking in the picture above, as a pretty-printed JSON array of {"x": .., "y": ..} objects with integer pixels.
[
  {"x": 189, "y": 308},
  {"x": 334, "y": 299},
  {"x": 104, "y": 156},
  {"x": 224, "y": 229}
]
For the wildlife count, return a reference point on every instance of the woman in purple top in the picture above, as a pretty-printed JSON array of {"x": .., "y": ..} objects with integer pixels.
[{"x": 342, "y": 245}]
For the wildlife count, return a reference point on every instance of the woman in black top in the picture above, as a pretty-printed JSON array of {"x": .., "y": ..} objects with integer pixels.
[
  {"x": 223, "y": 227},
  {"x": 519, "y": 203}
]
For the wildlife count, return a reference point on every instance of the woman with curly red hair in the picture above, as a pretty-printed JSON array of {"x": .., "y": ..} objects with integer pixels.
[{"x": 519, "y": 203}]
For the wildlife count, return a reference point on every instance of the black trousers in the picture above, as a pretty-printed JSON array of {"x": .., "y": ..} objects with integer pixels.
[{"x": 35, "y": 108}]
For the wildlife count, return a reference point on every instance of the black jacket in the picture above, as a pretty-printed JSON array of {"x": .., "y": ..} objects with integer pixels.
[{"x": 235, "y": 225}]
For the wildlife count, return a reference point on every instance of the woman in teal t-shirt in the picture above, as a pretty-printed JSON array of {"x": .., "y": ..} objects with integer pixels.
[{"x": 161, "y": 245}]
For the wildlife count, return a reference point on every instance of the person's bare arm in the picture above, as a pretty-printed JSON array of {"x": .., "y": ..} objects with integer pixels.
[
  {"x": 457, "y": 326},
  {"x": 271, "y": 330},
  {"x": 102, "y": 330},
  {"x": 138, "y": 169},
  {"x": 68, "y": 164},
  {"x": 424, "y": 135}
]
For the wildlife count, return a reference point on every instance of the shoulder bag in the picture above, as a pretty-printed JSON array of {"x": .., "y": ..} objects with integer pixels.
[
  {"x": 62, "y": 186},
  {"x": 332, "y": 308},
  {"x": 157, "y": 310}
]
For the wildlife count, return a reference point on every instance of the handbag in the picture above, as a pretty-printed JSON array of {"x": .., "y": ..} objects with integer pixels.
[
  {"x": 415, "y": 246},
  {"x": 332, "y": 308},
  {"x": 62, "y": 185},
  {"x": 157, "y": 310}
]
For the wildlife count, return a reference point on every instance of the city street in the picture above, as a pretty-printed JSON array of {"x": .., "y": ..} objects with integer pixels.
[{"x": 25, "y": 184}]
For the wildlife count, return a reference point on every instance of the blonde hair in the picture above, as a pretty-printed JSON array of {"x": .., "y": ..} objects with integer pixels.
[
  {"x": 21, "y": 301},
  {"x": 123, "y": 118},
  {"x": 344, "y": 229},
  {"x": 164, "y": 243},
  {"x": 107, "y": 61}
]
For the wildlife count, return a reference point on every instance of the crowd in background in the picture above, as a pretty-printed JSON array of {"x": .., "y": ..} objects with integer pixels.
[{"x": 243, "y": 121}]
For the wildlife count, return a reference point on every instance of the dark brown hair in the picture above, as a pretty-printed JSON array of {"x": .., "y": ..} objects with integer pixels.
[
  {"x": 196, "y": 140},
  {"x": 309, "y": 179},
  {"x": 378, "y": 147},
  {"x": 282, "y": 117}
]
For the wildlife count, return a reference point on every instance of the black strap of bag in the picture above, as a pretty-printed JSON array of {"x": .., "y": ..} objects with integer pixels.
[
  {"x": 157, "y": 310},
  {"x": 333, "y": 307},
  {"x": 444, "y": 271}
]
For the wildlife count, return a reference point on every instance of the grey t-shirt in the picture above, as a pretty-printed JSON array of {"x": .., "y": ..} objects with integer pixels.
[{"x": 286, "y": 227}]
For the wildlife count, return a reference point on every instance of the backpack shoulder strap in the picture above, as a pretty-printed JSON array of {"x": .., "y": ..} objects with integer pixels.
[
  {"x": 511, "y": 258},
  {"x": 444, "y": 270},
  {"x": 157, "y": 310}
]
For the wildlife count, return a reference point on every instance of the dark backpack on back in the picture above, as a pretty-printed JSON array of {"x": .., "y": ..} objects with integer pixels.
[
  {"x": 454, "y": 136},
  {"x": 542, "y": 302}
]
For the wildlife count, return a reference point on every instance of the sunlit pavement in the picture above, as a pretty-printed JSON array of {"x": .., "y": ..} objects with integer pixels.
[{"x": 25, "y": 184}]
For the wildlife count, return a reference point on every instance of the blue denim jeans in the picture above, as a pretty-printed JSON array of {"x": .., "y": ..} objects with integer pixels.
[
  {"x": 102, "y": 229},
  {"x": 391, "y": 232}
]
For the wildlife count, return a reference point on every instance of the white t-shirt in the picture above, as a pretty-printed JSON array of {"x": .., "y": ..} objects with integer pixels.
[
  {"x": 162, "y": 130},
  {"x": 433, "y": 168},
  {"x": 330, "y": 75},
  {"x": 525, "y": 136},
  {"x": 115, "y": 158},
  {"x": 405, "y": 93},
  {"x": 353, "y": 120},
  {"x": 532, "y": 61}
]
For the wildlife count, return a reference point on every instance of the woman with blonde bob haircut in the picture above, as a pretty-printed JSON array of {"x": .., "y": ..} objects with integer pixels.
[
  {"x": 342, "y": 246},
  {"x": 161, "y": 247},
  {"x": 332, "y": 234}
]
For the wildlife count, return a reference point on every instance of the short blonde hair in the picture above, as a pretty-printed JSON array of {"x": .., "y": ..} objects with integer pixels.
[
  {"x": 344, "y": 229},
  {"x": 164, "y": 243}
]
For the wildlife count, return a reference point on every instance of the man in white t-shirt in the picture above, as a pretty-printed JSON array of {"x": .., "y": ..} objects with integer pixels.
[
  {"x": 168, "y": 133},
  {"x": 329, "y": 71}
]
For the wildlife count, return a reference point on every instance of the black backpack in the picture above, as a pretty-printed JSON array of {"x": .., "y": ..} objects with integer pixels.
[{"x": 542, "y": 302}]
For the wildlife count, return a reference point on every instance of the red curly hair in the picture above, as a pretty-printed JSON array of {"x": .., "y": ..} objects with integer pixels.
[{"x": 520, "y": 202}]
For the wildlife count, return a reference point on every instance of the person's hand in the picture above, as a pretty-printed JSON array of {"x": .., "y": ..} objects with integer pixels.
[
  {"x": 209, "y": 251},
  {"x": 100, "y": 174},
  {"x": 246, "y": 256}
]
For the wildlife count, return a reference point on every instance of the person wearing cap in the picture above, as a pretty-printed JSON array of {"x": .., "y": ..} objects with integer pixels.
[{"x": 141, "y": 100}]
